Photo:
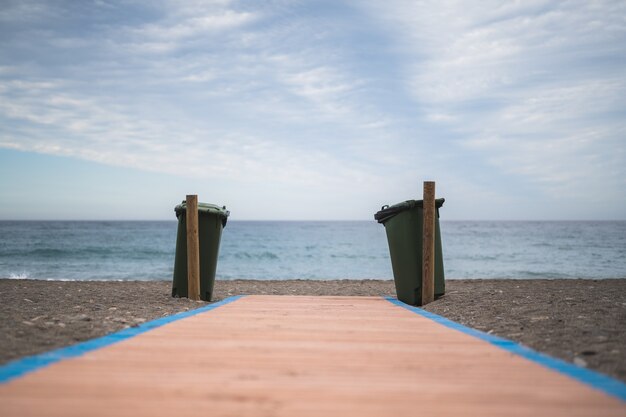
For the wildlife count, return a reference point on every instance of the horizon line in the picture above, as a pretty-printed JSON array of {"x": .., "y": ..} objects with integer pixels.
[{"x": 312, "y": 220}]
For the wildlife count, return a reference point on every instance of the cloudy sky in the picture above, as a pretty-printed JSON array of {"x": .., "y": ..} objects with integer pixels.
[{"x": 312, "y": 109}]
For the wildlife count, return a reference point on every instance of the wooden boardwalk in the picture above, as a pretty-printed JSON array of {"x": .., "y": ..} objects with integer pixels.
[{"x": 302, "y": 356}]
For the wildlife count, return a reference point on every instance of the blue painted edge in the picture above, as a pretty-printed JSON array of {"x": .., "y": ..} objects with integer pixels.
[
  {"x": 596, "y": 380},
  {"x": 29, "y": 364}
]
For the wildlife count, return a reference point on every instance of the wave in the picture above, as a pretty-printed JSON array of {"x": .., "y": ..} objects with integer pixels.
[
  {"x": 357, "y": 256},
  {"x": 261, "y": 255},
  {"x": 48, "y": 253},
  {"x": 546, "y": 274}
]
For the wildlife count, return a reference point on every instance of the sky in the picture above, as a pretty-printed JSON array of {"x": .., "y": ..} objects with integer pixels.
[{"x": 312, "y": 110}]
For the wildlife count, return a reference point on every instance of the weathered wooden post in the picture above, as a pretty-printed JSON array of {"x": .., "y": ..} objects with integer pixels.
[
  {"x": 428, "y": 244},
  {"x": 193, "y": 249}
]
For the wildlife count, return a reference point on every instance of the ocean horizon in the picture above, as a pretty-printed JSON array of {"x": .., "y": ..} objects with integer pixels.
[{"x": 289, "y": 249}]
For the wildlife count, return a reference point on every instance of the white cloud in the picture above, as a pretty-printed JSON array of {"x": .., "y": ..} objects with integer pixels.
[
  {"x": 534, "y": 87},
  {"x": 200, "y": 77},
  {"x": 192, "y": 26},
  {"x": 24, "y": 11},
  {"x": 324, "y": 97},
  {"x": 118, "y": 134}
]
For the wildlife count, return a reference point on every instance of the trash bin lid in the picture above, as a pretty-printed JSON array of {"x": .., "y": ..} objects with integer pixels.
[
  {"x": 387, "y": 212},
  {"x": 205, "y": 209}
]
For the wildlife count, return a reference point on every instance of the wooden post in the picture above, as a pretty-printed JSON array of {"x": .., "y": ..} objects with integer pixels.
[
  {"x": 193, "y": 249},
  {"x": 428, "y": 244}
]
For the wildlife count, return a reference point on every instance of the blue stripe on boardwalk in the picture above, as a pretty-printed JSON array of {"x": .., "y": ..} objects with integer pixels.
[
  {"x": 598, "y": 381},
  {"x": 29, "y": 364}
]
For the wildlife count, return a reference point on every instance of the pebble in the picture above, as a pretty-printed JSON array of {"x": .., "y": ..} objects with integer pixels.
[
  {"x": 82, "y": 317},
  {"x": 580, "y": 362}
]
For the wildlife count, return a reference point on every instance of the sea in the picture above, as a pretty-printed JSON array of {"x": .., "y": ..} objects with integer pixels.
[{"x": 144, "y": 250}]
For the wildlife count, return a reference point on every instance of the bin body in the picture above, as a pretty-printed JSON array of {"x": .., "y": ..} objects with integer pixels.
[
  {"x": 211, "y": 222},
  {"x": 404, "y": 227}
]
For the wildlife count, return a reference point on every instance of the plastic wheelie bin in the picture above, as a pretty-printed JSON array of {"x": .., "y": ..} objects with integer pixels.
[
  {"x": 403, "y": 224},
  {"x": 211, "y": 220}
]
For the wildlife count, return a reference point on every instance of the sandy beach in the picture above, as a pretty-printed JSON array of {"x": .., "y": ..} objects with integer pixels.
[{"x": 580, "y": 321}]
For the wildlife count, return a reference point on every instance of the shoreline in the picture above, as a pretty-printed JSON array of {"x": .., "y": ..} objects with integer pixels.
[{"x": 577, "y": 320}]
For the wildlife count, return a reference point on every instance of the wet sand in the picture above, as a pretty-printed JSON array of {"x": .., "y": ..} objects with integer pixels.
[{"x": 580, "y": 321}]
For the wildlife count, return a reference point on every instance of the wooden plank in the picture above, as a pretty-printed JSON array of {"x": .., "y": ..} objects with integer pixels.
[
  {"x": 428, "y": 244},
  {"x": 193, "y": 249},
  {"x": 302, "y": 356}
]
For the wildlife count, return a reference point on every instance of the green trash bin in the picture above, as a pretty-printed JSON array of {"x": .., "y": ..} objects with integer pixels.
[
  {"x": 403, "y": 224},
  {"x": 211, "y": 221}
]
